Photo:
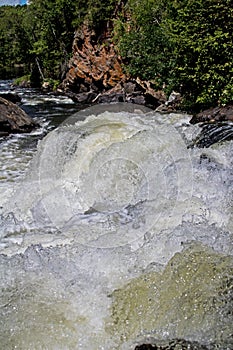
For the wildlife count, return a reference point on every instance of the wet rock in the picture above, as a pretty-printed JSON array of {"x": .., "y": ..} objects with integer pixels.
[
  {"x": 12, "y": 97},
  {"x": 155, "y": 302},
  {"x": 47, "y": 86},
  {"x": 175, "y": 344},
  {"x": 216, "y": 126},
  {"x": 84, "y": 98},
  {"x": 212, "y": 133},
  {"x": 133, "y": 92},
  {"x": 13, "y": 119},
  {"x": 110, "y": 98},
  {"x": 137, "y": 99},
  {"x": 212, "y": 115},
  {"x": 172, "y": 104}
]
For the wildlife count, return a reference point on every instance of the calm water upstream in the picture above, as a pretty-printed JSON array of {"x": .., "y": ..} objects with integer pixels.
[{"x": 113, "y": 232}]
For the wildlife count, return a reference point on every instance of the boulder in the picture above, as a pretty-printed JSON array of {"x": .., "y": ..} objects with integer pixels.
[
  {"x": 216, "y": 126},
  {"x": 172, "y": 104},
  {"x": 212, "y": 115},
  {"x": 83, "y": 98},
  {"x": 125, "y": 91},
  {"x": 153, "y": 98},
  {"x": 13, "y": 119},
  {"x": 9, "y": 96}
]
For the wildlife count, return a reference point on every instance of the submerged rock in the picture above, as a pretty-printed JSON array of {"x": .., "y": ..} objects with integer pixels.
[
  {"x": 13, "y": 119},
  {"x": 191, "y": 299},
  {"x": 175, "y": 344},
  {"x": 212, "y": 133},
  {"x": 216, "y": 126}
]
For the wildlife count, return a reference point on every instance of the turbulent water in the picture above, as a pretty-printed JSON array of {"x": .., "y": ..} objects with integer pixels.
[{"x": 119, "y": 233}]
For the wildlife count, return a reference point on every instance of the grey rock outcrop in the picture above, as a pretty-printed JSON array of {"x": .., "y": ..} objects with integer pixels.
[{"x": 13, "y": 119}]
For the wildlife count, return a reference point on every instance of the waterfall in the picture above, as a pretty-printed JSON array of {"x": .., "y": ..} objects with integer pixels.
[{"x": 119, "y": 233}]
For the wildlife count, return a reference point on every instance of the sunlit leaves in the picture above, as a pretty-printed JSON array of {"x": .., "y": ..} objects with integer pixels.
[{"x": 184, "y": 45}]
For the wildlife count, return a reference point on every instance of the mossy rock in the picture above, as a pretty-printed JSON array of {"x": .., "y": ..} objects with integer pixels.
[{"x": 191, "y": 299}]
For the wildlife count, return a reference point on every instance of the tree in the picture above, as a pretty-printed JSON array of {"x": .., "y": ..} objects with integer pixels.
[
  {"x": 14, "y": 47},
  {"x": 201, "y": 32},
  {"x": 184, "y": 45}
]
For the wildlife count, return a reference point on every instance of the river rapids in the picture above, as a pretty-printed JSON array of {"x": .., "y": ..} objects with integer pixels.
[{"x": 119, "y": 233}]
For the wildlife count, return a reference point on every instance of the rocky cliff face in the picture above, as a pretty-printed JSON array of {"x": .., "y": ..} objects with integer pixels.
[
  {"x": 95, "y": 65},
  {"x": 96, "y": 73}
]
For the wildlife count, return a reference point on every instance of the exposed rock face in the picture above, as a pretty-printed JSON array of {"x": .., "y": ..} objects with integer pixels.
[
  {"x": 13, "y": 119},
  {"x": 96, "y": 74},
  {"x": 95, "y": 65}
]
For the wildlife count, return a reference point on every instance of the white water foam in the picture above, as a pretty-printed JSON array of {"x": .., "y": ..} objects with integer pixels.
[{"x": 107, "y": 199}]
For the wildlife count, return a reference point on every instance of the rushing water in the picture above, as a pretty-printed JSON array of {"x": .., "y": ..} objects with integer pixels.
[{"x": 118, "y": 233}]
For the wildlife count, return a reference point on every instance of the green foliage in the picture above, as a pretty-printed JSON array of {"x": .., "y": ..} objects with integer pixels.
[
  {"x": 41, "y": 34},
  {"x": 50, "y": 24},
  {"x": 185, "y": 45},
  {"x": 182, "y": 45},
  {"x": 52, "y": 84},
  {"x": 13, "y": 38},
  {"x": 202, "y": 31},
  {"x": 20, "y": 80},
  {"x": 142, "y": 41},
  {"x": 99, "y": 12}
]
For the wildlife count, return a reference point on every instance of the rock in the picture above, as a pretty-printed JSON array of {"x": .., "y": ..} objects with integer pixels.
[
  {"x": 46, "y": 86},
  {"x": 95, "y": 65},
  {"x": 175, "y": 97},
  {"x": 132, "y": 92},
  {"x": 13, "y": 119},
  {"x": 2, "y": 134},
  {"x": 110, "y": 98},
  {"x": 154, "y": 302},
  {"x": 216, "y": 126},
  {"x": 212, "y": 133},
  {"x": 212, "y": 115},
  {"x": 137, "y": 99},
  {"x": 172, "y": 104},
  {"x": 12, "y": 97},
  {"x": 129, "y": 87},
  {"x": 84, "y": 98},
  {"x": 175, "y": 344},
  {"x": 152, "y": 98}
]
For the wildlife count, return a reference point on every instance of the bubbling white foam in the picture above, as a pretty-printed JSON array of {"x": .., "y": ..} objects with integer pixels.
[{"x": 111, "y": 197}]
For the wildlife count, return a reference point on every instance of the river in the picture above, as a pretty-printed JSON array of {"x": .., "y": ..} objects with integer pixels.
[{"x": 114, "y": 231}]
